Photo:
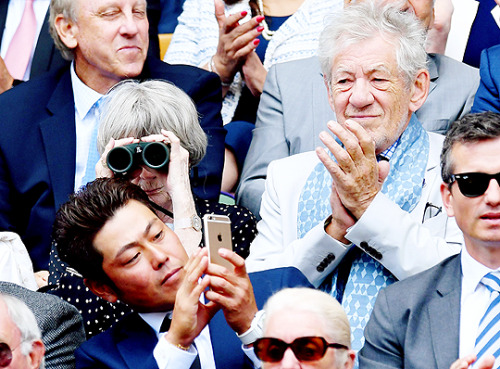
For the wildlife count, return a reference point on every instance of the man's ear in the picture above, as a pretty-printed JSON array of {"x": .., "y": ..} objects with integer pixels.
[
  {"x": 67, "y": 31},
  {"x": 102, "y": 290},
  {"x": 420, "y": 90},
  {"x": 447, "y": 197},
  {"x": 36, "y": 355},
  {"x": 329, "y": 92}
]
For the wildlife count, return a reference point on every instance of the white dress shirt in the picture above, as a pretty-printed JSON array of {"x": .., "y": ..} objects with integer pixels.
[
  {"x": 475, "y": 300},
  {"x": 14, "y": 15},
  {"x": 85, "y": 120}
]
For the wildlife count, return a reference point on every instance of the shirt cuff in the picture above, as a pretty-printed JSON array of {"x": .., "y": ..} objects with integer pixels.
[
  {"x": 168, "y": 356},
  {"x": 250, "y": 353}
]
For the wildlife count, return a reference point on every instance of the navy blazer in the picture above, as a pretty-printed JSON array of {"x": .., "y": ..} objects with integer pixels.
[
  {"x": 38, "y": 148},
  {"x": 487, "y": 96},
  {"x": 130, "y": 343}
]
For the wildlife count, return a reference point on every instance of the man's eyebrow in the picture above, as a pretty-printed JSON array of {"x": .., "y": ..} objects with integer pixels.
[{"x": 134, "y": 243}]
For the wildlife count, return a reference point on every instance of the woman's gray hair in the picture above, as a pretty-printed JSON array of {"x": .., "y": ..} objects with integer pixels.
[
  {"x": 368, "y": 19},
  {"x": 316, "y": 302},
  {"x": 138, "y": 109},
  {"x": 68, "y": 9},
  {"x": 24, "y": 319}
]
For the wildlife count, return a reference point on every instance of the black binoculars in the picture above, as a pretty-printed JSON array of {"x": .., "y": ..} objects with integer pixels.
[{"x": 124, "y": 159}]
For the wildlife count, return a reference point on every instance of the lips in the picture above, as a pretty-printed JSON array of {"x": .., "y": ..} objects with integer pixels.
[
  {"x": 170, "y": 274},
  {"x": 491, "y": 216}
]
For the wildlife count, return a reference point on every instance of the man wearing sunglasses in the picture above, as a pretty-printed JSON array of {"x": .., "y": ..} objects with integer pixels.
[
  {"x": 21, "y": 345},
  {"x": 109, "y": 233},
  {"x": 451, "y": 310},
  {"x": 305, "y": 328}
]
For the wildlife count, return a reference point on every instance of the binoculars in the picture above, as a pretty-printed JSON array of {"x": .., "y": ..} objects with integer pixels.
[{"x": 124, "y": 159}]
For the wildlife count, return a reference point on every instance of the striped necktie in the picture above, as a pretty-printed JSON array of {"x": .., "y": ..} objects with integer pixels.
[{"x": 487, "y": 341}]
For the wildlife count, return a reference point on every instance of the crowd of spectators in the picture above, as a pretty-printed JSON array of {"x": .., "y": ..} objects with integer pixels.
[{"x": 351, "y": 146}]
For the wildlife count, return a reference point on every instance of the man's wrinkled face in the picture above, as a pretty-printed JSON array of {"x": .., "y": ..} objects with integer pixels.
[{"x": 368, "y": 87}]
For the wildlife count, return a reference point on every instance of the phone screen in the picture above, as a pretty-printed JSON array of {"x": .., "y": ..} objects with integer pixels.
[{"x": 217, "y": 232}]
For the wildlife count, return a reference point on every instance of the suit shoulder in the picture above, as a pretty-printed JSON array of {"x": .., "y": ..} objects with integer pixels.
[
  {"x": 305, "y": 161},
  {"x": 421, "y": 283},
  {"x": 298, "y": 70},
  {"x": 492, "y": 51},
  {"x": 447, "y": 65}
]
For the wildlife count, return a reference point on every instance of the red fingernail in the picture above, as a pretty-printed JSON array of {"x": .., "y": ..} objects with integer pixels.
[
  {"x": 260, "y": 29},
  {"x": 260, "y": 18},
  {"x": 243, "y": 13},
  {"x": 256, "y": 42}
]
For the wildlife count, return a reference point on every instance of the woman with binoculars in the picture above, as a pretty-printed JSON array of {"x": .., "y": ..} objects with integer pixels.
[{"x": 133, "y": 115}]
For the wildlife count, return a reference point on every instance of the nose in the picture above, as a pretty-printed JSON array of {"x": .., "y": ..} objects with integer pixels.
[
  {"x": 492, "y": 194},
  {"x": 289, "y": 360},
  {"x": 361, "y": 95},
  {"x": 129, "y": 26},
  {"x": 146, "y": 173},
  {"x": 158, "y": 256}
]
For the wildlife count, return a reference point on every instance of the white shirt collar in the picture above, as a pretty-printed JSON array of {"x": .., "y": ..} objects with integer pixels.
[
  {"x": 84, "y": 96},
  {"x": 472, "y": 271},
  {"x": 155, "y": 319}
]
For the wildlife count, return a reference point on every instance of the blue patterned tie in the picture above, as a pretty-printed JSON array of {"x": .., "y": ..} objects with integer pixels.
[
  {"x": 93, "y": 156},
  {"x": 487, "y": 341}
]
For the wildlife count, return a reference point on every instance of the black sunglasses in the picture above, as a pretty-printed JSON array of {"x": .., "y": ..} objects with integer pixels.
[
  {"x": 272, "y": 350},
  {"x": 473, "y": 184},
  {"x": 5, "y": 355}
]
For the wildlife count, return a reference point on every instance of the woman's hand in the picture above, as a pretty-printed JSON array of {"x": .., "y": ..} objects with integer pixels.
[
  {"x": 236, "y": 41},
  {"x": 101, "y": 167}
]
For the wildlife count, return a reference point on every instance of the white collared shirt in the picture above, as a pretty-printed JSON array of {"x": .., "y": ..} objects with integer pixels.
[
  {"x": 85, "y": 98},
  {"x": 475, "y": 300},
  {"x": 14, "y": 14}
]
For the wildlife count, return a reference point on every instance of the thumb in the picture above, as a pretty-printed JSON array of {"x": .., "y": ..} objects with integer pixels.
[
  {"x": 219, "y": 12},
  {"x": 487, "y": 362},
  {"x": 383, "y": 170}
]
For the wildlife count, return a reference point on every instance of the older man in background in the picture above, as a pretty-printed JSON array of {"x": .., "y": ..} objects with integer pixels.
[
  {"x": 294, "y": 107},
  {"x": 367, "y": 211}
]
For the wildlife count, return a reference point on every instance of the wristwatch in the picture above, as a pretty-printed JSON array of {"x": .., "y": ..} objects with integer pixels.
[
  {"x": 192, "y": 222},
  {"x": 256, "y": 330}
]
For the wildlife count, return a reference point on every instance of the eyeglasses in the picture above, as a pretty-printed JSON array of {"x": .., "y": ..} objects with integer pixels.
[
  {"x": 6, "y": 354},
  {"x": 473, "y": 184},
  {"x": 272, "y": 350}
]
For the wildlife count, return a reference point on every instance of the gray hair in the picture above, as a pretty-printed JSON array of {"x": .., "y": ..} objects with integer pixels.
[
  {"x": 68, "y": 9},
  {"x": 138, "y": 109},
  {"x": 366, "y": 20},
  {"x": 24, "y": 319},
  {"x": 319, "y": 303},
  {"x": 470, "y": 129}
]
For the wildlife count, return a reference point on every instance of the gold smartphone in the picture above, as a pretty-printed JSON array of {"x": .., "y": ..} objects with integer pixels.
[{"x": 217, "y": 233}]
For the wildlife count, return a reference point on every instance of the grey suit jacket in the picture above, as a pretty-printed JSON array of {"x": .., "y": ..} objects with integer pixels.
[
  {"x": 60, "y": 323},
  {"x": 415, "y": 322},
  {"x": 294, "y": 109}
]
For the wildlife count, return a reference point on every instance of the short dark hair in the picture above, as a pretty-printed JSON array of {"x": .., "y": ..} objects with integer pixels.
[
  {"x": 83, "y": 216},
  {"x": 471, "y": 128}
]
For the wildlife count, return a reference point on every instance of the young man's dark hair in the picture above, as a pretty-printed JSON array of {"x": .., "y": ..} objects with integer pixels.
[{"x": 78, "y": 221}]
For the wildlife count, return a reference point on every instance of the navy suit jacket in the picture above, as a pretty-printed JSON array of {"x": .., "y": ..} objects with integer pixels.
[
  {"x": 415, "y": 322},
  {"x": 487, "y": 96},
  {"x": 38, "y": 148},
  {"x": 130, "y": 343}
]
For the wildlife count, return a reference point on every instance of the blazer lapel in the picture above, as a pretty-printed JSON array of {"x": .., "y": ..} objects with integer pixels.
[
  {"x": 44, "y": 50},
  {"x": 444, "y": 315},
  {"x": 433, "y": 72},
  {"x": 136, "y": 341},
  {"x": 59, "y": 140}
]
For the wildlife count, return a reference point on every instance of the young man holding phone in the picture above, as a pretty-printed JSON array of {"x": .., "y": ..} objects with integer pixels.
[{"x": 109, "y": 233}]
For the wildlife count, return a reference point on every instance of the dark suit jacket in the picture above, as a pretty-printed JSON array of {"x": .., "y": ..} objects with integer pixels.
[
  {"x": 130, "y": 343},
  {"x": 487, "y": 96},
  {"x": 60, "y": 324},
  {"x": 415, "y": 322},
  {"x": 38, "y": 148}
]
